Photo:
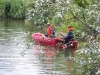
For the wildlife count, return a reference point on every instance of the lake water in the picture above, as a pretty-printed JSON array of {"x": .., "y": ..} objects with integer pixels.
[{"x": 20, "y": 56}]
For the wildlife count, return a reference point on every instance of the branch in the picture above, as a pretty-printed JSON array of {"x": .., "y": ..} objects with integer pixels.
[
  {"x": 84, "y": 17},
  {"x": 94, "y": 31}
]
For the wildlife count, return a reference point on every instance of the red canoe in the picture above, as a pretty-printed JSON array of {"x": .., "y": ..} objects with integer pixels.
[{"x": 56, "y": 42}]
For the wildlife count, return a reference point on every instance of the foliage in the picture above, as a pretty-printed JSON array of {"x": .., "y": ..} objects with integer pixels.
[
  {"x": 13, "y": 9},
  {"x": 1, "y": 8},
  {"x": 42, "y": 11},
  {"x": 83, "y": 15},
  {"x": 87, "y": 61},
  {"x": 82, "y": 3}
]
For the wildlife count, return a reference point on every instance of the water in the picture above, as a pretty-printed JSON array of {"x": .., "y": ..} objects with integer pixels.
[{"x": 20, "y": 56}]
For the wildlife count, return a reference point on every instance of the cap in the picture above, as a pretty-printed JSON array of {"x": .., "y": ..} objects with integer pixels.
[{"x": 48, "y": 23}]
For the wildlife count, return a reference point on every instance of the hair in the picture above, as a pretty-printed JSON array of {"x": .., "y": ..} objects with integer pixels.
[{"x": 69, "y": 26}]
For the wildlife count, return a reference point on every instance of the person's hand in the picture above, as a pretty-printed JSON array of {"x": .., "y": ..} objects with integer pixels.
[{"x": 62, "y": 34}]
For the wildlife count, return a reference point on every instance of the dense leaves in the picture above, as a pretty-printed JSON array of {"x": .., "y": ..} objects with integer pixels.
[
  {"x": 82, "y": 3},
  {"x": 87, "y": 60},
  {"x": 81, "y": 14},
  {"x": 12, "y": 9}
]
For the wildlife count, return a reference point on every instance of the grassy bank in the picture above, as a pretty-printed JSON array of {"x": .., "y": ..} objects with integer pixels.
[{"x": 12, "y": 9}]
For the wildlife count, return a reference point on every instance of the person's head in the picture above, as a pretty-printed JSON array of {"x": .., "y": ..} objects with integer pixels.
[
  {"x": 51, "y": 25},
  {"x": 48, "y": 24},
  {"x": 70, "y": 28}
]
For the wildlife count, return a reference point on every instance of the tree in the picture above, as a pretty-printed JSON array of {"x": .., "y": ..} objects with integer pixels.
[{"x": 83, "y": 15}]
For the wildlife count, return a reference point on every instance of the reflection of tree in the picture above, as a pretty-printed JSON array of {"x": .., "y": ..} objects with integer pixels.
[{"x": 69, "y": 52}]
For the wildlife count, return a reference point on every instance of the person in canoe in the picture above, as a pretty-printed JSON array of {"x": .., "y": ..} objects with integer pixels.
[
  {"x": 50, "y": 31},
  {"x": 69, "y": 35}
]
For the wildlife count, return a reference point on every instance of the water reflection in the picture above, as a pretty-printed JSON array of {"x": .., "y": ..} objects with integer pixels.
[
  {"x": 55, "y": 62},
  {"x": 11, "y": 61},
  {"x": 37, "y": 60},
  {"x": 69, "y": 52}
]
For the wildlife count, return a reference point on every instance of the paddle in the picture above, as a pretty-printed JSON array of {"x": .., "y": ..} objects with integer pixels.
[{"x": 62, "y": 34}]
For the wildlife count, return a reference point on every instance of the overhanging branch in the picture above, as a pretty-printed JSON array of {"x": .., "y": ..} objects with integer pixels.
[{"x": 84, "y": 23}]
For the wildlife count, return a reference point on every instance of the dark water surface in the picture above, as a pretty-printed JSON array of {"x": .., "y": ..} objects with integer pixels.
[{"x": 20, "y": 56}]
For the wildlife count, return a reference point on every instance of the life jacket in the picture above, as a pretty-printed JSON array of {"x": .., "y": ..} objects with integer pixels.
[
  {"x": 70, "y": 32},
  {"x": 69, "y": 29},
  {"x": 48, "y": 30}
]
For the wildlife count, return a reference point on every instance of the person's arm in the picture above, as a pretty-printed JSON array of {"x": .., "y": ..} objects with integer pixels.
[{"x": 52, "y": 30}]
